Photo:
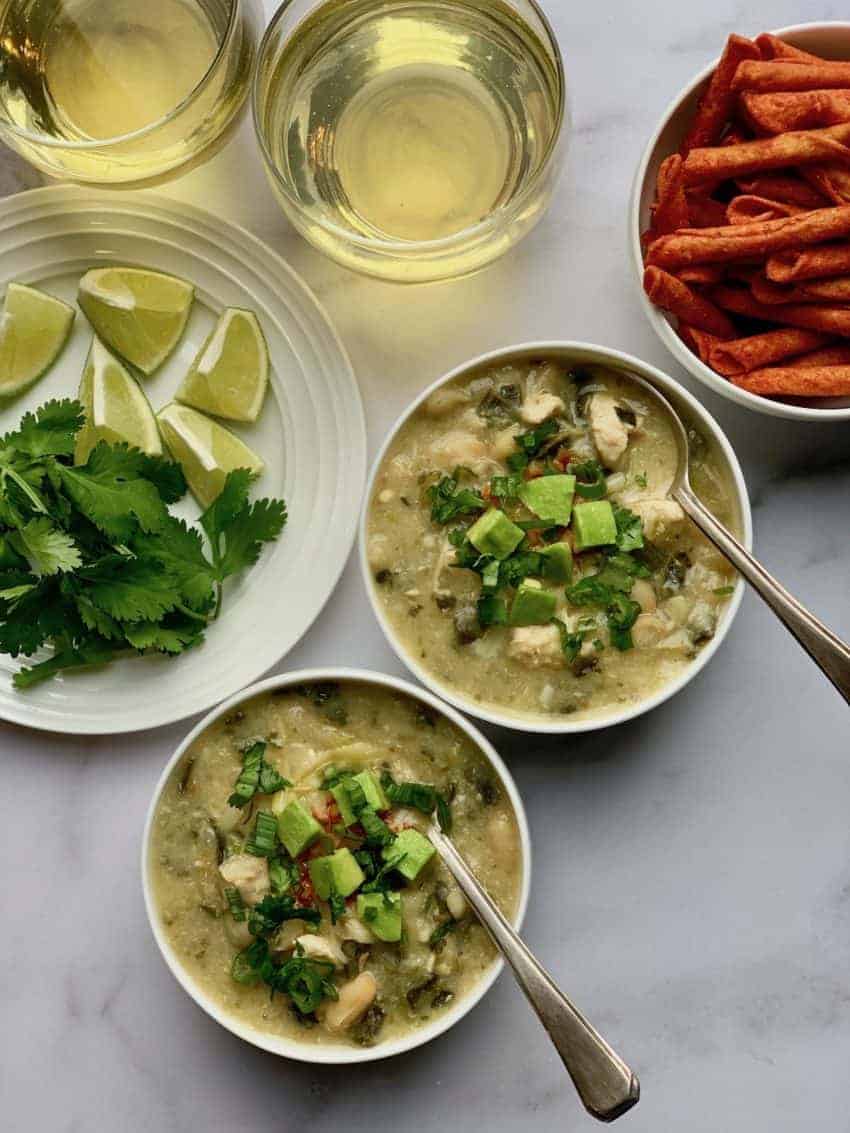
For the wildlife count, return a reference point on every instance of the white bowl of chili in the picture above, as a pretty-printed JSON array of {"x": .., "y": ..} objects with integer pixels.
[
  {"x": 403, "y": 552},
  {"x": 830, "y": 41},
  {"x": 191, "y": 803}
]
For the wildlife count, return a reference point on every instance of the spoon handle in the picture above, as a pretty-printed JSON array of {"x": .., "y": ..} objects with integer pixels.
[
  {"x": 607, "y": 1087},
  {"x": 823, "y": 646}
]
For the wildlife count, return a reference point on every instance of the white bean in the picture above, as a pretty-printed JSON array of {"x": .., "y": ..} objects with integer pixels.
[{"x": 355, "y": 999}]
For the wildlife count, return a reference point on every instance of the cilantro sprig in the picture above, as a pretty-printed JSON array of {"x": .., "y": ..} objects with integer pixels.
[{"x": 93, "y": 563}]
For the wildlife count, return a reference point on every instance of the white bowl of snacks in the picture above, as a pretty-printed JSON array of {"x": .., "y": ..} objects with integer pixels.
[
  {"x": 519, "y": 551},
  {"x": 288, "y": 877},
  {"x": 759, "y": 313}
]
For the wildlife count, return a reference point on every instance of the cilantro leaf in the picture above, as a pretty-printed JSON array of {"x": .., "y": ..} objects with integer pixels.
[
  {"x": 449, "y": 500},
  {"x": 92, "y": 651},
  {"x": 48, "y": 548},
  {"x": 131, "y": 589},
  {"x": 95, "y": 619},
  {"x": 172, "y": 636},
  {"x": 571, "y": 643},
  {"x": 35, "y": 618},
  {"x": 226, "y": 506},
  {"x": 257, "y": 523},
  {"x": 629, "y": 529},
  {"x": 50, "y": 431},
  {"x": 110, "y": 493},
  {"x": 179, "y": 549},
  {"x": 166, "y": 475}
]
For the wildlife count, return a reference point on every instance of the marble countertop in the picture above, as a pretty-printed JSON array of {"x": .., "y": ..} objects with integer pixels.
[{"x": 691, "y": 887}]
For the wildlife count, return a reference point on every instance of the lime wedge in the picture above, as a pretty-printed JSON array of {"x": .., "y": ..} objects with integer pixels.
[
  {"x": 231, "y": 371},
  {"x": 138, "y": 314},
  {"x": 116, "y": 409},
  {"x": 205, "y": 450},
  {"x": 33, "y": 329}
]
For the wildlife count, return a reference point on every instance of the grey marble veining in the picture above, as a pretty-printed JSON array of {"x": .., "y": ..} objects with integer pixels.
[{"x": 692, "y": 870}]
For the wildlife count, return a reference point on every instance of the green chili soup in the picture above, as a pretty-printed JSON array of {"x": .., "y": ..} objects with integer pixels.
[
  {"x": 292, "y": 871},
  {"x": 523, "y": 549}
]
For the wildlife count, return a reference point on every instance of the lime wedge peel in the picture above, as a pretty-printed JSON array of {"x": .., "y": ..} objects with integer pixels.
[
  {"x": 230, "y": 373},
  {"x": 140, "y": 315},
  {"x": 115, "y": 406},
  {"x": 205, "y": 450},
  {"x": 34, "y": 327}
]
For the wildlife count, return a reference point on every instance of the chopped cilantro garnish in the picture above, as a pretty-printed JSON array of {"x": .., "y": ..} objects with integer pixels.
[
  {"x": 571, "y": 643},
  {"x": 449, "y": 500},
  {"x": 629, "y": 529}
]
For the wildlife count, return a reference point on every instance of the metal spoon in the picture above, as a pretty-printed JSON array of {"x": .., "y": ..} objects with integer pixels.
[
  {"x": 826, "y": 650},
  {"x": 607, "y": 1087}
]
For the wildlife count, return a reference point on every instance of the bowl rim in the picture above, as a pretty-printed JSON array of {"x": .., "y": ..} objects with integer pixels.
[
  {"x": 50, "y": 142},
  {"x": 382, "y": 246},
  {"x": 598, "y": 355},
  {"x": 657, "y": 319},
  {"x": 336, "y": 1054}
]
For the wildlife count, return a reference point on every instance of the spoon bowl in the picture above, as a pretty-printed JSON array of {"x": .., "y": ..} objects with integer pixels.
[{"x": 828, "y": 651}]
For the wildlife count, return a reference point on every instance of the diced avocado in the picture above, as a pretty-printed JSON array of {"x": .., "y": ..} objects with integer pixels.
[
  {"x": 494, "y": 534},
  {"x": 550, "y": 498},
  {"x": 557, "y": 562},
  {"x": 413, "y": 850},
  {"x": 372, "y": 789},
  {"x": 533, "y": 606},
  {"x": 338, "y": 873},
  {"x": 297, "y": 828},
  {"x": 381, "y": 913},
  {"x": 594, "y": 525},
  {"x": 340, "y": 793}
]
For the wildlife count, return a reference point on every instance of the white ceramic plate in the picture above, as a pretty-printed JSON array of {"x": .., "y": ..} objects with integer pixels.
[
  {"x": 311, "y": 435},
  {"x": 832, "y": 41}
]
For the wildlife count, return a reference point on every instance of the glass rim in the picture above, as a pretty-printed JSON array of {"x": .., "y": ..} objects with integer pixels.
[
  {"x": 49, "y": 141},
  {"x": 476, "y": 231}
]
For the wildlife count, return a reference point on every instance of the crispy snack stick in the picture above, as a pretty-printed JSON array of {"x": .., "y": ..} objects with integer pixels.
[
  {"x": 749, "y": 241},
  {"x": 716, "y": 105},
  {"x": 801, "y": 147},
  {"x": 747, "y": 208},
  {"x": 671, "y": 209},
  {"x": 797, "y": 381},
  {"x": 771, "y": 47},
  {"x": 785, "y": 75},
  {"x": 666, "y": 291},
  {"x": 784, "y": 187},
  {"x": 702, "y": 274},
  {"x": 829, "y": 356},
  {"x": 810, "y": 291},
  {"x": 759, "y": 350},
  {"x": 795, "y": 110},
  {"x": 704, "y": 211},
  {"x": 823, "y": 262},
  {"x": 829, "y": 320},
  {"x": 832, "y": 180},
  {"x": 699, "y": 341}
]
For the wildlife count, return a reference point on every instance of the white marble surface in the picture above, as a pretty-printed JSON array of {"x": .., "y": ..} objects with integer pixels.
[{"x": 692, "y": 875}]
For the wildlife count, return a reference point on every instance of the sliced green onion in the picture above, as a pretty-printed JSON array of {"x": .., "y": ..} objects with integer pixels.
[
  {"x": 235, "y": 904},
  {"x": 377, "y": 831},
  {"x": 264, "y": 840},
  {"x": 246, "y": 785}
]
